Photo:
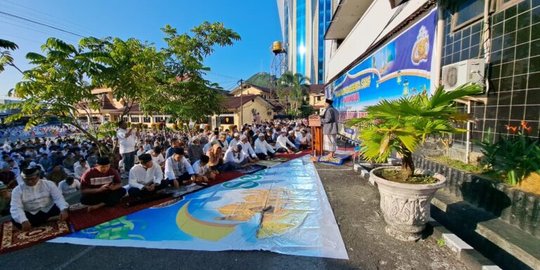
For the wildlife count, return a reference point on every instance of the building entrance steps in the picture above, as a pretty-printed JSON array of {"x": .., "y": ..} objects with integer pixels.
[{"x": 499, "y": 241}]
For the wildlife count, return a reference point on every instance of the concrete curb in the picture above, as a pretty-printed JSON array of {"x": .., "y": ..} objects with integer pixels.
[{"x": 464, "y": 252}]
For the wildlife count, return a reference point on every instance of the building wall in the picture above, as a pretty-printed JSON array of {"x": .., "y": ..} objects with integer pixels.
[
  {"x": 514, "y": 72},
  {"x": 260, "y": 106},
  {"x": 316, "y": 100}
]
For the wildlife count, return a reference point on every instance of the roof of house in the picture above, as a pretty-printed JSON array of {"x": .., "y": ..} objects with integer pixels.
[
  {"x": 106, "y": 103},
  {"x": 232, "y": 103},
  {"x": 316, "y": 89},
  {"x": 263, "y": 89},
  {"x": 101, "y": 91}
]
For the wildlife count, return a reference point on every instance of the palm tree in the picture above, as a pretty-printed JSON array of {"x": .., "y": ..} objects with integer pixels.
[
  {"x": 5, "y": 55},
  {"x": 402, "y": 125},
  {"x": 292, "y": 88}
]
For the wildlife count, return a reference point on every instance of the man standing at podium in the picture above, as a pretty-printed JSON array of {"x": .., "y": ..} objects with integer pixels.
[{"x": 330, "y": 127}]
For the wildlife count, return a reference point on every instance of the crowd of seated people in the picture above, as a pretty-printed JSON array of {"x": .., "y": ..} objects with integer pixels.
[{"x": 38, "y": 177}]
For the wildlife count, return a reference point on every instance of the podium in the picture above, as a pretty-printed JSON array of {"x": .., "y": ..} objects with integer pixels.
[{"x": 314, "y": 121}]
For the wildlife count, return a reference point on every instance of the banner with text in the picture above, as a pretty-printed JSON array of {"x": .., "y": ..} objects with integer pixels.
[{"x": 400, "y": 68}]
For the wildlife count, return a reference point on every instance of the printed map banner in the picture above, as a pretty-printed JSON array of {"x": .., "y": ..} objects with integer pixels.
[
  {"x": 283, "y": 209},
  {"x": 400, "y": 68}
]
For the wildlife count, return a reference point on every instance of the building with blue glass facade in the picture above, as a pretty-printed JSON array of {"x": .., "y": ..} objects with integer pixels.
[{"x": 303, "y": 24}]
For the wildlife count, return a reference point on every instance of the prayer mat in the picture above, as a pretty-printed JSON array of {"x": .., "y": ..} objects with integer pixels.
[
  {"x": 268, "y": 163},
  {"x": 251, "y": 169},
  {"x": 339, "y": 159},
  {"x": 293, "y": 156},
  {"x": 14, "y": 239},
  {"x": 225, "y": 176}
]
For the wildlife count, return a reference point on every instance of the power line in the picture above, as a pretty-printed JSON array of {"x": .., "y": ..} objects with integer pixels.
[
  {"x": 65, "y": 23},
  {"x": 19, "y": 25},
  {"x": 40, "y": 23}
]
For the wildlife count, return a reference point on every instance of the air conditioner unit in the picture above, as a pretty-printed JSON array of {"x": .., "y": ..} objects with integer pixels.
[{"x": 468, "y": 71}]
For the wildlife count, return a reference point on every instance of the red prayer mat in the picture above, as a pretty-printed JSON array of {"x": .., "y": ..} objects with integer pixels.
[
  {"x": 293, "y": 156},
  {"x": 14, "y": 239},
  {"x": 82, "y": 219}
]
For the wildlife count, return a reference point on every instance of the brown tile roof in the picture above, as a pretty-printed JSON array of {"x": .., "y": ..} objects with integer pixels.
[
  {"x": 106, "y": 103},
  {"x": 275, "y": 104},
  {"x": 233, "y": 103},
  {"x": 316, "y": 89}
]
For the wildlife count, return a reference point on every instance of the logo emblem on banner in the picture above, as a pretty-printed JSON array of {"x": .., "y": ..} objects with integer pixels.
[{"x": 421, "y": 47}]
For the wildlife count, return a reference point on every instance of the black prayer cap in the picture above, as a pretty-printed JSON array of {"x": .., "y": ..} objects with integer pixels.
[
  {"x": 143, "y": 158},
  {"x": 179, "y": 151},
  {"x": 103, "y": 160}
]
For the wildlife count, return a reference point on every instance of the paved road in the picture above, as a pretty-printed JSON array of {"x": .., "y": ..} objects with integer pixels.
[{"x": 355, "y": 205}]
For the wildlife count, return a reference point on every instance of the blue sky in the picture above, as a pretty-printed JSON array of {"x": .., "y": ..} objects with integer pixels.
[{"x": 256, "y": 21}]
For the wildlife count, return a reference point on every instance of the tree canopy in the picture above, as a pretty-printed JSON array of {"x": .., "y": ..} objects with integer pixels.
[
  {"x": 163, "y": 81},
  {"x": 6, "y": 59}
]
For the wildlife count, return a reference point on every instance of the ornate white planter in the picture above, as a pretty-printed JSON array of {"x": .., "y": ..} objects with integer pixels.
[{"x": 405, "y": 207}]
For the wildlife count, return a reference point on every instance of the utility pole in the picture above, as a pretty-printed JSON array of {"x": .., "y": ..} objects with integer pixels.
[{"x": 241, "y": 82}]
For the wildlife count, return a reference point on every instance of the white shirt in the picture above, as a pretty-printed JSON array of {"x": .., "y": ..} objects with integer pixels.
[
  {"x": 247, "y": 149},
  {"x": 233, "y": 157},
  {"x": 139, "y": 176},
  {"x": 126, "y": 143},
  {"x": 40, "y": 197},
  {"x": 200, "y": 170},
  {"x": 262, "y": 147},
  {"x": 233, "y": 143},
  {"x": 182, "y": 166},
  {"x": 159, "y": 159},
  {"x": 80, "y": 170},
  {"x": 207, "y": 146},
  {"x": 282, "y": 142},
  {"x": 69, "y": 189}
]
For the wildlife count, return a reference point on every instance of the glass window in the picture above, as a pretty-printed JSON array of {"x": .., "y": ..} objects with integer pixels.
[
  {"x": 301, "y": 36},
  {"x": 147, "y": 119},
  {"x": 467, "y": 13},
  {"x": 503, "y": 4},
  {"x": 135, "y": 119}
]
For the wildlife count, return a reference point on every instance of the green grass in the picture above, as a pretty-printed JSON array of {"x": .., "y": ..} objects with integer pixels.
[{"x": 476, "y": 169}]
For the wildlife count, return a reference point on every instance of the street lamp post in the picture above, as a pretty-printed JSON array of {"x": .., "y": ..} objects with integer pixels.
[{"x": 241, "y": 82}]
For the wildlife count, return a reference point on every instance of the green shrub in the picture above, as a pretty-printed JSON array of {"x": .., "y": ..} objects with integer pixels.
[{"x": 513, "y": 157}]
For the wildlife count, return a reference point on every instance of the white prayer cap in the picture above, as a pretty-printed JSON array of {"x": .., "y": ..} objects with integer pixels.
[
  {"x": 243, "y": 137},
  {"x": 236, "y": 134}
]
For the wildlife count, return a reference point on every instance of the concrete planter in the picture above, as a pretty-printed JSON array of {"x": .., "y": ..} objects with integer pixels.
[{"x": 405, "y": 207}]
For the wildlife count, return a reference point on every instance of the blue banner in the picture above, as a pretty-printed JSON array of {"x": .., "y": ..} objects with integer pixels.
[{"x": 400, "y": 68}]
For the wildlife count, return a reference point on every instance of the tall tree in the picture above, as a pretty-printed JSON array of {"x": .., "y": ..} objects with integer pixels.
[
  {"x": 58, "y": 86},
  {"x": 183, "y": 93},
  {"x": 130, "y": 69},
  {"x": 167, "y": 81},
  {"x": 293, "y": 88}
]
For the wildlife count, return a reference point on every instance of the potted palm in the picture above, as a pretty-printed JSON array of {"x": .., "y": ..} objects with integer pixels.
[{"x": 400, "y": 126}]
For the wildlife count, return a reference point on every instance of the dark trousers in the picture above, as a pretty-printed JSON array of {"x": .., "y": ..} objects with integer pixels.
[
  {"x": 39, "y": 218},
  {"x": 264, "y": 157},
  {"x": 283, "y": 150},
  {"x": 129, "y": 160},
  {"x": 135, "y": 192},
  {"x": 110, "y": 198}
]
